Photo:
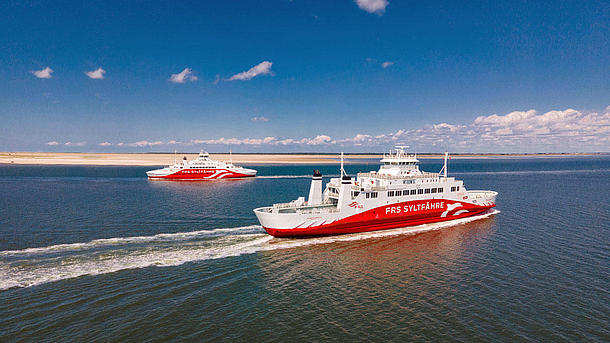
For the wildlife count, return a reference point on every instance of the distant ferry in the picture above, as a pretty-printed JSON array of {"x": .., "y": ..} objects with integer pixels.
[
  {"x": 398, "y": 195},
  {"x": 201, "y": 168}
]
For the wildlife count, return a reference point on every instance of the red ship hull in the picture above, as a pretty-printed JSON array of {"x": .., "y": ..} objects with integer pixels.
[
  {"x": 378, "y": 219},
  {"x": 201, "y": 174}
]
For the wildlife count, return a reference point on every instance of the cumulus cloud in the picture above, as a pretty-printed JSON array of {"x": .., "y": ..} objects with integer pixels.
[
  {"x": 43, "y": 73},
  {"x": 97, "y": 74},
  {"x": 386, "y": 64},
  {"x": 183, "y": 76},
  {"x": 567, "y": 130},
  {"x": 53, "y": 143},
  {"x": 262, "y": 68},
  {"x": 373, "y": 6},
  {"x": 260, "y": 119},
  {"x": 75, "y": 143},
  {"x": 105, "y": 144},
  {"x": 141, "y": 144},
  {"x": 518, "y": 131},
  {"x": 318, "y": 140}
]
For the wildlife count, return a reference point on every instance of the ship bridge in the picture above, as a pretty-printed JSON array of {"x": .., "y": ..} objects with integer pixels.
[{"x": 399, "y": 163}]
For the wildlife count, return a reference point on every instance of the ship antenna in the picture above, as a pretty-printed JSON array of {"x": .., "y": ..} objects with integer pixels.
[
  {"x": 444, "y": 169},
  {"x": 446, "y": 155}
]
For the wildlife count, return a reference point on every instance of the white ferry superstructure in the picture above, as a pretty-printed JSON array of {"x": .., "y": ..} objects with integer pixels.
[
  {"x": 398, "y": 195},
  {"x": 201, "y": 168}
]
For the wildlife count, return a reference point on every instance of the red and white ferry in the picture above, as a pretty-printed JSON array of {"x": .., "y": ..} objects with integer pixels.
[
  {"x": 201, "y": 168},
  {"x": 398, "y": 195}
]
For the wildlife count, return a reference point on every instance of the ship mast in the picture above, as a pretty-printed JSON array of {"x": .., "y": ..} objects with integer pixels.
[{"x": 444, "y": 169}]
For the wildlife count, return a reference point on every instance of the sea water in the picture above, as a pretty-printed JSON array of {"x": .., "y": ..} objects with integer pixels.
[{"x": 102, "y": 254}]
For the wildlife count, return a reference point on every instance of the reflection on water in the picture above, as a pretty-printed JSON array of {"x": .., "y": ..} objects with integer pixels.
[{"x": 434, "y": 251}]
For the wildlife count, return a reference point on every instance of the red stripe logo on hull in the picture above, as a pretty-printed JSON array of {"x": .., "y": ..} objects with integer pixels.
[{"x": 390, "y": 217}]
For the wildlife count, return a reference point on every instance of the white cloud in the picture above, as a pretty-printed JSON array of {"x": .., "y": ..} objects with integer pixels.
[
  {"x": 259, "y": 118},
  {"x": 97, "y": 74},
  {"x": 519, "y": 131},
  {"x": 141, "y": 144},
  {"x": 373, "y": 6},
  {"x": 105, "y": 144},
  {"x": 75, "y": 143},
  {"x": 504, "y": 131},
  {"x": 43, "y": 73},
  {"x": 53, "y": 143},
  {"x": 318, "y": 140},
  {"x": 262, "y": 68},
  {"x": 386, "y": 64},
  {"x": 567, "y": 130},
  {"x": 183, "y": 76}
]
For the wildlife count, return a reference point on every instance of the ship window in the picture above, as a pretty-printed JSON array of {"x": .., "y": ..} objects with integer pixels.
[
  {"x": 373, "y": 195},
  {"x": 427, "y": 191},
  {"x": 433, "y": 190},
  {"x": 398, "y": 193},
  {"x": 390, "y": 193},
  {"x": 458, "y": 188},
  {"x": 420, "y": 191},
  {"x": 453, "y": 189},
  {"x": 368, "y": 195},
  {"x": 440, "y": 190},
  {"x": 413, "y": 191}
]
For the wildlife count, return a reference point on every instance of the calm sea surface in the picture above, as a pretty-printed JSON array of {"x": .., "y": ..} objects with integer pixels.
[{"x": 102, "y": 254}]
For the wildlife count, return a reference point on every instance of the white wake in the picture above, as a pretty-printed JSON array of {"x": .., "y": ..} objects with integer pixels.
[{"x": 34, "y": 266}]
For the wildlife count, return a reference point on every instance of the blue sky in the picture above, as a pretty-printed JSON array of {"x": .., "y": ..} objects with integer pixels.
[{"x": 265, "y": 76}]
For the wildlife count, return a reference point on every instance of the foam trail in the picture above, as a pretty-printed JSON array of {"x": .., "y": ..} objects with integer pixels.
[
  {"x": 105, "y": 242},
  {"x": 21, "y": 270}
]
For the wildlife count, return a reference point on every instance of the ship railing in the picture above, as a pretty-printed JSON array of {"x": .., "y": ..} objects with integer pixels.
[
  {"x": 423, "y": 175},
  {"x": 316, "y": 210},
  {"x": 481, "y": 194},
  {"x": 301, "y": 206}
]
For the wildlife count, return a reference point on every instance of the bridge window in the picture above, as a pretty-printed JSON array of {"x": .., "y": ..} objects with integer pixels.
[
  {"x": 368, "y": 195},
  {"x": 453, "y": 189},
  {"x": 373, "y": 195},
  {"x": 420, "y": 191},
  {"x": 433, "y": 190},
  {"x": 440, "y": 190},
  {"x": 413, "y": 191},
  {"x": 427, "y": 191},
  {"x": 390, "y": 193}
]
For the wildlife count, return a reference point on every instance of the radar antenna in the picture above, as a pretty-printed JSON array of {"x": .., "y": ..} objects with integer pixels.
[
  {"x": 400, "y": 149},
  {"x": 343, "y": 173}
]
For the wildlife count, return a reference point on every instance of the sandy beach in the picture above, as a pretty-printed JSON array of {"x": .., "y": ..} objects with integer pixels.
[{"x": 158, "y": 159}]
